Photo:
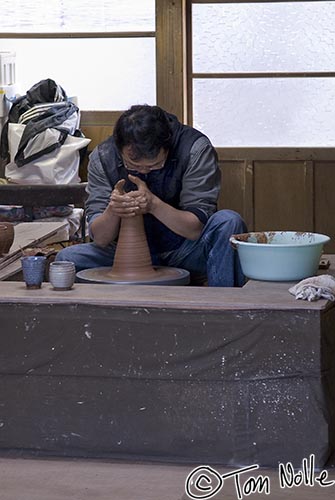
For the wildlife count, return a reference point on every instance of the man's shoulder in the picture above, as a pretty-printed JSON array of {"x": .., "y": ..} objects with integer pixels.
[
  {"x": 107, "y": 144},
  {"x": 104, "y": 158},
  {"x": 106, "y": 151}
]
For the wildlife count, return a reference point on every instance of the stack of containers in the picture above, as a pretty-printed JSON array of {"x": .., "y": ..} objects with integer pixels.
[{"x": 7, "y": 84}]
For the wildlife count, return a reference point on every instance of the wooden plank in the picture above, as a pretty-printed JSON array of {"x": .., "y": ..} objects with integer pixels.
[
  {"x": 170, "y": 50},
  {"x": 262, "y": 295},
  {"x": 274, "y": 296},
  {"x": 43, "y": 195},
  {"x": 97, "y": 133},
  {"x": 248, "y": 188},
  {"x": 32, "y": 233},
  {"x": 308, "y": 177},
  {"x": 232, "y": 194},
  {"x": 103, "y": 118},
  {"x": 237, "y": 183},
  {"x": 11, "y": 269},
  {"x": 276, "y": 153},
  {"x": 282, "y": 191},
  {"x": 324, "y": 201},
  {"x": 27, "y": 234}
]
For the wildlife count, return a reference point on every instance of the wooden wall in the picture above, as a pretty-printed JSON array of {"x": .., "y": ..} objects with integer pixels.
[
  {"x": 97, "y": 126},
  {"x": 281, "y": 189}
]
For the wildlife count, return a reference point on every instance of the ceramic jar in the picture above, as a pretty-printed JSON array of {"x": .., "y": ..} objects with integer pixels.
[
  {"x": 6, "y": 237},
  {"x": 62, "y": 275}
]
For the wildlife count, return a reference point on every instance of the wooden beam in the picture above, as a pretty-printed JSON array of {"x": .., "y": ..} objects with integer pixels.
[
  {"x": 86, "y": 34},
  {"x": 170, "y": 54}
]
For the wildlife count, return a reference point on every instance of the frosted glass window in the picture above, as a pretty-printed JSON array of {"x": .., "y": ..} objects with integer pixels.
[
  {"x": 285, "y": 36},
  {"x": 267, "y": 37},
  {"x": 105, "y": 74},
  {"x": 77, "y": 15},
  {"x": 280, "y": 112}
]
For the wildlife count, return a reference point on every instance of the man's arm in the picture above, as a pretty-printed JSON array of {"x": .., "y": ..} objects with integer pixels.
[
  {"x": 103, "y": 223},
  {"x": 202, "y": 181},
  {"x": 182, "y": 222},
  {"x": 106, "y": 226}
]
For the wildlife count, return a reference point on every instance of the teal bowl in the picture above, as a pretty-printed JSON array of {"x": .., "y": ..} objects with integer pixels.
[{"x": 279, "y": 255}]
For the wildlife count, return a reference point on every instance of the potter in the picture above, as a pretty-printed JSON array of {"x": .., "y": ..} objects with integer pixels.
[{"x": 167, "y": 172}]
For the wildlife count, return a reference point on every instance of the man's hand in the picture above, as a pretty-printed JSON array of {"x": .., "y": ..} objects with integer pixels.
[
  {"x": 143, "y": 197},
  {"x": 122, "y": 203}
]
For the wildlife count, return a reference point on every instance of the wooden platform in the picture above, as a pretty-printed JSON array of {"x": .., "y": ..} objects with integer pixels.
[
  {"x": 253, "y": 296},
  {"x": 196, "y": 374}
]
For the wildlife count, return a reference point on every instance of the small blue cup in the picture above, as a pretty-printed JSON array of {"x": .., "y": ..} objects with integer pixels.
[{"x": 33, "y": 268}]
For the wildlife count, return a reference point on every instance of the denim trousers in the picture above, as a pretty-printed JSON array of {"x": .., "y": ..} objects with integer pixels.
[{"x": 211, "y": 255}]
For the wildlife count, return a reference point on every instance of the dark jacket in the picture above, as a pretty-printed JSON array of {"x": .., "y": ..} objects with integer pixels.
[{"x": 166, "y": 183}]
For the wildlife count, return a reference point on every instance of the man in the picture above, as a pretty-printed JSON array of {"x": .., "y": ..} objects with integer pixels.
[{"x": 156, "y": 166}]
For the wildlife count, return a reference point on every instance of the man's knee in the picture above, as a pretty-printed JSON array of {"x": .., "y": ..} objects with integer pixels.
[
  {"x": 229, "y": 218},
  {"x": 69, "y": 253}
]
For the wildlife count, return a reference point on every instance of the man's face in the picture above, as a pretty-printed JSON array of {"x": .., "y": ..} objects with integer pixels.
[{"x": 144, "y": 166}]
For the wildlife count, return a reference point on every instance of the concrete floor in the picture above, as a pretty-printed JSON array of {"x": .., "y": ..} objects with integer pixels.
[{"x": 78, "y": 479}]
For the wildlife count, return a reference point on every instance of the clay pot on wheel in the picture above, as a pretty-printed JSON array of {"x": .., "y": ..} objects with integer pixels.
[{"x": 6, "y": 237}]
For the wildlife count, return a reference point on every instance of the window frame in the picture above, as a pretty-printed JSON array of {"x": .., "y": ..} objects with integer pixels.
[
  {"x": 174, "y": 74},
  {"x": 88, "y": 116},
  {"x": 244, "y": 75},
  {"x": 171, "y": 74}
]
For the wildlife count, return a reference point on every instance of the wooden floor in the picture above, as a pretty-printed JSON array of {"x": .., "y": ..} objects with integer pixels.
[{"x": 35, "y": 479}]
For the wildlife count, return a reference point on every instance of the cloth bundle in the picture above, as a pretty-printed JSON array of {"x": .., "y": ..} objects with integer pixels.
[
  {"x": 315, "y": 288},
  {"x": 41, "y": 141},
  {"x": 17, "y": 213}
]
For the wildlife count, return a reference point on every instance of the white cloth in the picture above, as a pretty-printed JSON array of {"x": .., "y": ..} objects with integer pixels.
[
  {"x": 315, "y": 288},
  {"x": 71, "y": 230},
  {"x": 60, "y": 166}
]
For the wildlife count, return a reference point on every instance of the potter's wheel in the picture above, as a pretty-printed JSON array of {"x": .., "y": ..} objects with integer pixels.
[
  {"x": 132, "y": 263},
  {"x": 160, "y": 275}
]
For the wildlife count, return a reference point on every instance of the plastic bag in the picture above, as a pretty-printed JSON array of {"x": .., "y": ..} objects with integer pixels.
[{"x": 60, "y": 166}]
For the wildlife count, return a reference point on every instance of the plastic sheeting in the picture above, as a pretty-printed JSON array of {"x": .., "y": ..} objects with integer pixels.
[{"x": 228, "y": 387}]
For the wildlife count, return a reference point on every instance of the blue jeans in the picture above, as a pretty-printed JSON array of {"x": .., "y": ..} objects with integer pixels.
[{"x": 210, "y": 255}]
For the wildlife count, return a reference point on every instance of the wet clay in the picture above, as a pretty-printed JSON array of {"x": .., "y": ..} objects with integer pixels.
[
  {"x": 264, "y": 237},
  {"x": 260, "y": 237},
  {"x": 132, "y": 261},
  {"x": 132, "y": 258}
]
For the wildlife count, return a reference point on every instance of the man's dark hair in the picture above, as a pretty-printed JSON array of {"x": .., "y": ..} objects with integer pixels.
[{"x": 145, "y": 129}]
